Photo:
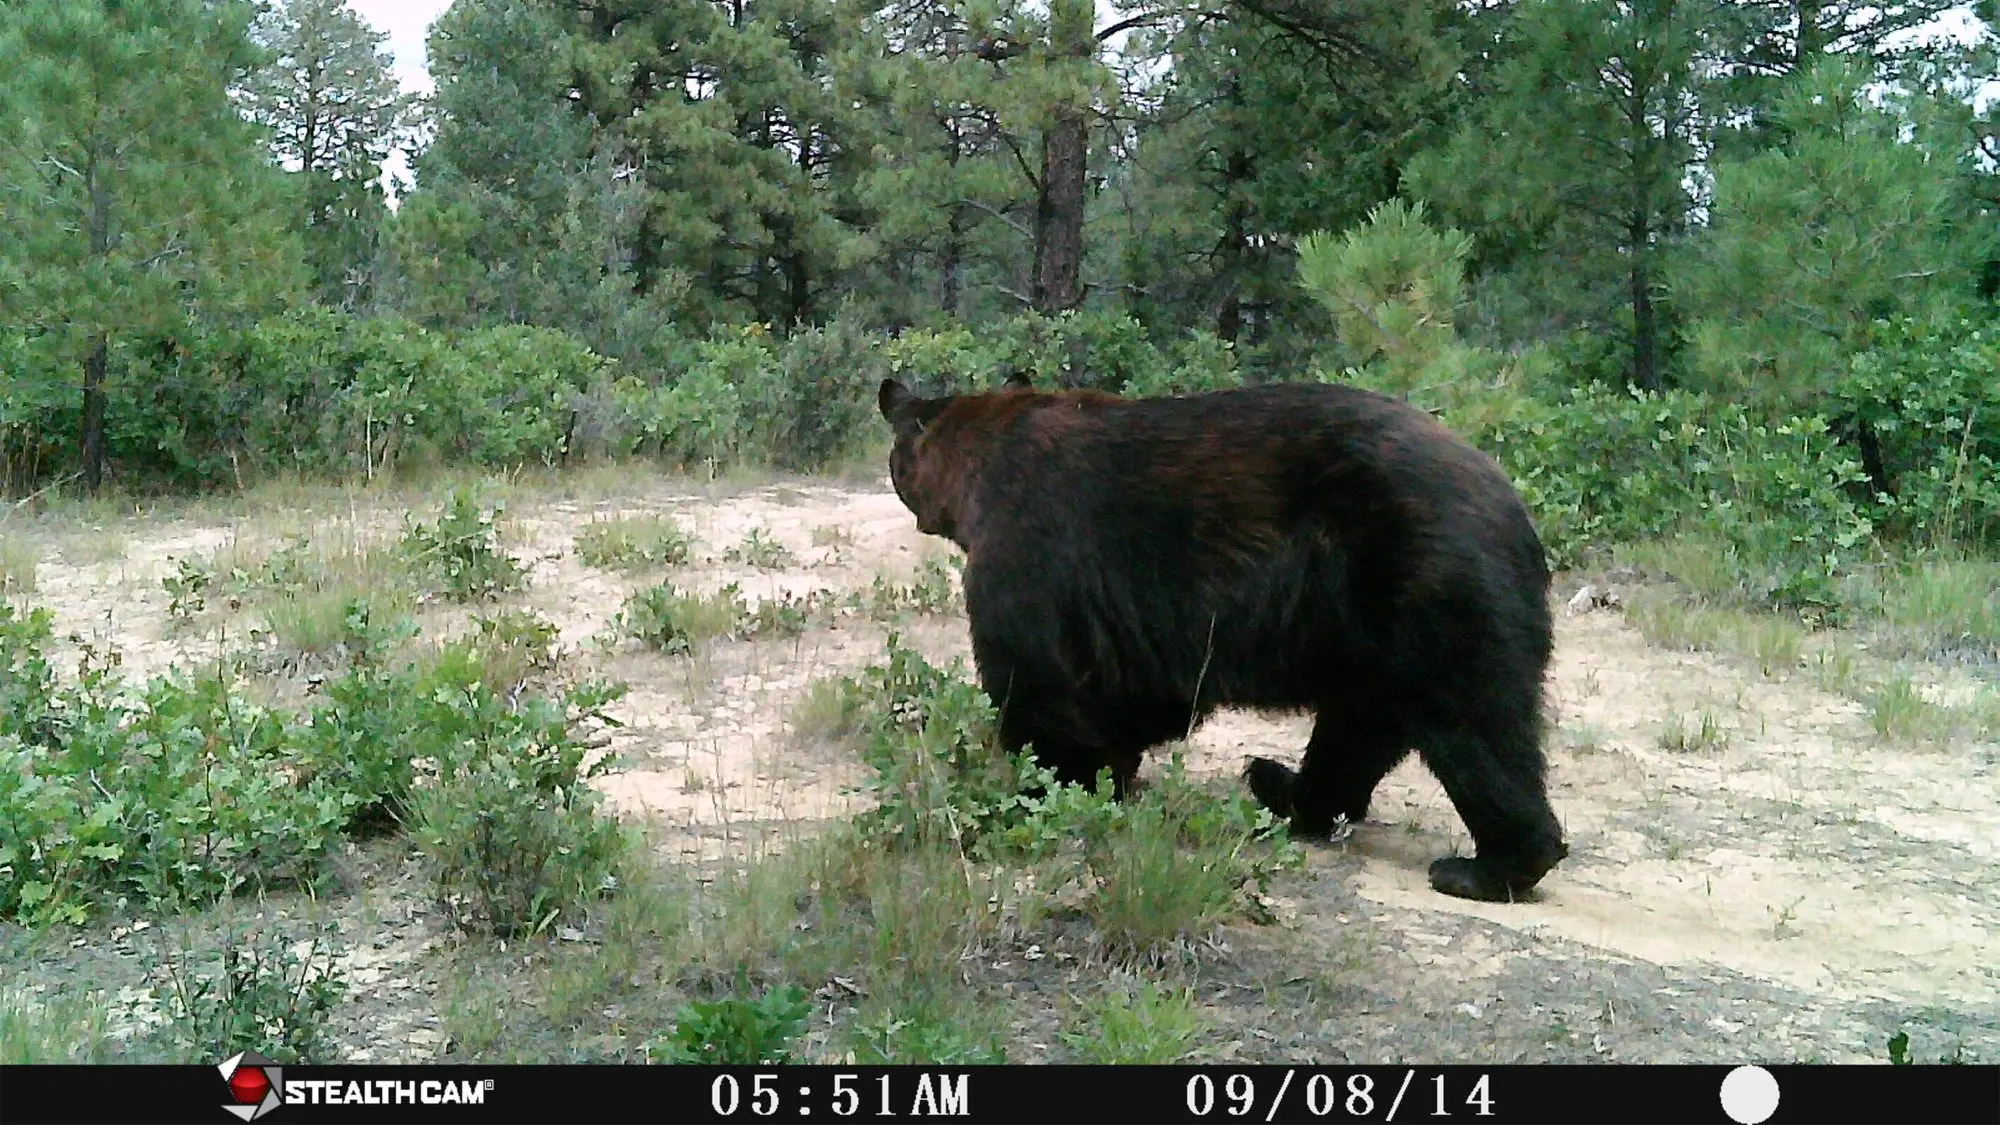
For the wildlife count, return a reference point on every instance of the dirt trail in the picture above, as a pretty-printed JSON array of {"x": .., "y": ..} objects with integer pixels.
[{"x": 1796, "y": 850}]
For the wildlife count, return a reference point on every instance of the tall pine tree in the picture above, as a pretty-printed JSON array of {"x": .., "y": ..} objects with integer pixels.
[
  {"x": 132, "y": 189},
  {"x": 335, "y": 113},
  {"x": 1573, "y": 171}
]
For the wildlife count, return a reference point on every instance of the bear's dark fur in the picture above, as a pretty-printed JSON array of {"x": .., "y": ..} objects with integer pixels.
[{"x": 1133, "y": 564}]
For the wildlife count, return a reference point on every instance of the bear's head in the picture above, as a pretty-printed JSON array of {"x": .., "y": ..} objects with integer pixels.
[{"x": 930, "y": 475}]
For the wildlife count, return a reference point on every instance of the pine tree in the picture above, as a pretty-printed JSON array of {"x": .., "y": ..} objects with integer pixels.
[
  {"x": 1840, "y": 224},
  {"x": 335, "y": 112},
  {"x": 742, "y": 127},
  {"x": 1258, "y": 135},
  {"x": 132, "y": 189},
  {"x": 1573, "y": 170},
  {"x": 522, "y": 212}
]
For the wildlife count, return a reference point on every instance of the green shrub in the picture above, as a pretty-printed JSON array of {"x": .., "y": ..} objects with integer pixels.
[
  {"x": 932, "y": 591},
  {"x": 512, "y": 401},
  {"x": 259, "y": 992},
  {"x": 1172, "y": 862},
  {"x": 328, "y": 392},
  {"x": 927, "y": 736},
  {"x": 1605, "y": 467},
  {"x": 700, "y": 415},
  {"x": 183, "y": 792},
  {"x": 1162, "y": 865},
  {"x": 187, "y": 589},
  {"x": 818, "y": 404},
  {"x": 944, "y": 361},
  {"x": 513, "y": 835},
  {"x": 738, "y": 1030},
  {"x": 662, "y": 617},
  {"x": 633, "y": 542},
  {"x": 19, "y": 560},
  {"x": 178, "y": 794},
  {"x": 1929, "y": 396},
  {"x": 462, "y": 550},
  {"x": 1140, "y": 1024},
  {"x": 317, "y": 391},
  {"x": 38, "y": 1029},
  {"x": 911, "y": 1036},
  {"x": 760, "y": 550}
]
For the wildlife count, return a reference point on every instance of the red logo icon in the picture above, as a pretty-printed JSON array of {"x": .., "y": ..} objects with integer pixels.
[{"x": 255, "y": 1082}]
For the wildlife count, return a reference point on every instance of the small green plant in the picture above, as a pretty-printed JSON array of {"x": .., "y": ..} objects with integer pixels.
[
  {"x": 1833, "y": 669},
  {"x": 832, "y": 535},
  {"x": 1784, "y": 922},
  {"x": 927, "y": 735},
  {"x": 18, "y": 563},
  {"x": 1158, "y": 867},
  {"x": 513, "y": 835},
  {"x": 787, "y": 615},
  {"x": 186, "y": 589},
  {"x": 332, "y": 623},
  {"x": 514, "y": 646},
  {"x": 290, "y": 567},
  {"x": 1943, "y": 605},
  {"x": 38, "y": 1029},
  {"x": 1899, "y": 1052},
  {"x": 1172, "y": 863},
  {"x": 760, "y": 550},
  {"x": 462, "y": 550},
  {"x": 664, "y": 618},
  {"x": 1898, "y": 711},
  {"x": 932, "y": 591},
  {"x": 1774, "y": 643},
  {"x": 176, "y": 794},
  {"x": 1712, "y": 570},
  {"x": 633, "y": 543},
  {"x": 890, "y": 1038},
  {"x": 824, "y": 709},
  {"x": 1142, "y": 1025},
  {"x": 1675, "y": 624},
  {"x": 738, "y": 1030},
  {"x": 258, "y": 992},
  {"x": 1701, "y": 733}
]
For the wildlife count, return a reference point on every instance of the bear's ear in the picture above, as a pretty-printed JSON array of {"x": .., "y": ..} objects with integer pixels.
[
  {"x": 892, "y": 397},
  {"x": 1018, "y": 379}
]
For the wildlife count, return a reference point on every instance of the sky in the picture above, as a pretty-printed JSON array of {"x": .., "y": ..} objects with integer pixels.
[{"x": 407, "y": 22}]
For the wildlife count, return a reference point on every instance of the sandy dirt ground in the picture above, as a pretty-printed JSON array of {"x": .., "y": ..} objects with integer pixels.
[{"x": 1834, "y": 883}]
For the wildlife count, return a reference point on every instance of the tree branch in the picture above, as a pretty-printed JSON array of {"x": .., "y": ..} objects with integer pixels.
[{"x": 1012, "y": 223}]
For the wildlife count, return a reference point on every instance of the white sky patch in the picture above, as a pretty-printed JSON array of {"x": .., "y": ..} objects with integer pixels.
[{"x": 408, "y": 23}]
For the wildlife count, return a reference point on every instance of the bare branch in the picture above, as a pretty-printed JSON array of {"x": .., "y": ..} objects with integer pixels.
[{"x": 1012, "y": 223}]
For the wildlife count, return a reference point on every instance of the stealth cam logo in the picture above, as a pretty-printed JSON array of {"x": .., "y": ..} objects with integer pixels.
[{"x": 255, "y": 1082}]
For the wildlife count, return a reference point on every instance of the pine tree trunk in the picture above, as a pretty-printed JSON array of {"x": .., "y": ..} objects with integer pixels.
[
  {"x": 1059, "y": 200},
  {"x": 951, "y": 258},
  {"x": 1645, "y": 324},
  {"x": 98, "y": 362},
  {"x": 94, "y": 367},
  {"x": 951, "y": 263},
  {"x": 1059, "y": 213},
  {"x": 1232, "y": 253}
]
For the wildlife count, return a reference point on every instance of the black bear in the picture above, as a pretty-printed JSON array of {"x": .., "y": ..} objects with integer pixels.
[{"x": 1132, "y": 564}]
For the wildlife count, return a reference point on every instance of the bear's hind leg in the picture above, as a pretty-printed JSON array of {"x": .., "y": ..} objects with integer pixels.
[
  {"x": 1351, "y": 750},
  {"x": 1498, "y": 788}
]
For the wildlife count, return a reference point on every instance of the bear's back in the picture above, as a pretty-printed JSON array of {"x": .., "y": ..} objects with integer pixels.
[{"x": 1269, "y": 458}]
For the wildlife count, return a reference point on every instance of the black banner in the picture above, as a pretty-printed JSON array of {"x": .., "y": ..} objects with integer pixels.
[{"x": 251, "y": 1089}]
